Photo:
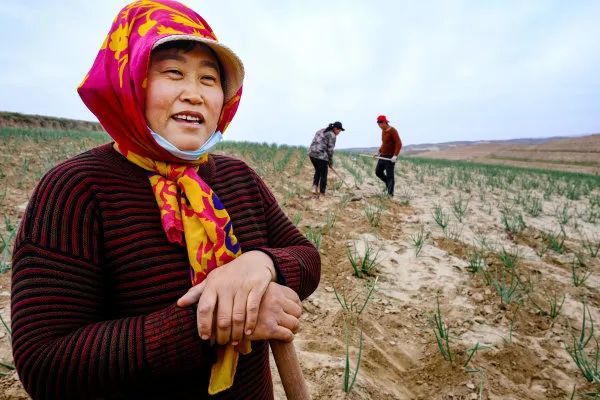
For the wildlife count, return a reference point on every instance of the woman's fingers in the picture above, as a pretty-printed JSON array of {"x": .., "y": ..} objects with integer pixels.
[
  {"x": 192, "y": 295},
  {"x": 239, "y": 298},
  {"x": 278, "y": 316},
  {"x": 292, "y": 308},
  {"x": 252, "y": 308},
  {"x": 238, "y": 317},
  {"x": 204, "y": 313},
  {"x": 290, "y": 294},
  {"x": 289, "y": 322},
  {"x": 224, "y": 315},
  {"x": 282, "y": 334}
]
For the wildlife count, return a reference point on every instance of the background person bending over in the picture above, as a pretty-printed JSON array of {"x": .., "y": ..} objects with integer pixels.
[
  {"x": 390, "y": 148},
  {"x": 321, "y": 154}
]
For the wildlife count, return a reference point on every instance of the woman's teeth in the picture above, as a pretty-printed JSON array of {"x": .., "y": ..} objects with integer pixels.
[{"x": 187, "y": 118}]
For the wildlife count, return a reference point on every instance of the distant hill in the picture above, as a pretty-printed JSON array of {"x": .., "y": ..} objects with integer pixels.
[
  {"x": 413, "y": 149},
  {"x": 18, "y": 120},
  {"x": 574, "y": 154},
  {"x": 564, "y": 153},
  {"x": 425, "y": 147}
]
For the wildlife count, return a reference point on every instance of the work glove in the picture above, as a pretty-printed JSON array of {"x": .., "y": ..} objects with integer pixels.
[{"x": 393, "y": 159}]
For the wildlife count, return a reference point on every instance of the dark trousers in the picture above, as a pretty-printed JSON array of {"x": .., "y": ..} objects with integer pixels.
[
  {"x": 385, "y": 172},
  {"x": 320, "y": 178}
]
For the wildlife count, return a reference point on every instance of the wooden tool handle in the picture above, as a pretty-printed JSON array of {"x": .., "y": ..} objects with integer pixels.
[
  {"x": 376, "y": 157},
  {"x": 289, "y": 370}
]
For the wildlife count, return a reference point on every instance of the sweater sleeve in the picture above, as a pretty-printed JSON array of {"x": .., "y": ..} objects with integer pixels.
[
  {"x": 65, "y": 345},
  {"x": 297, "y": 261}
]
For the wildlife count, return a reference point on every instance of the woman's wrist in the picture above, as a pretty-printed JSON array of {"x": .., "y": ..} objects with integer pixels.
[
  {"x": 266, "y": 261},
  {"x": 272, "y": 271}
]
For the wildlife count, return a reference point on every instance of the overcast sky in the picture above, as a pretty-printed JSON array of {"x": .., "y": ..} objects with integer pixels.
[{"x": 440, "y": 70}]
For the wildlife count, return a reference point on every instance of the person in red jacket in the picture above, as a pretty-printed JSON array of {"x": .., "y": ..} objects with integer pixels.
[
  {"x": 390, "y": 148},
  {"x": 148, "y": 268}
]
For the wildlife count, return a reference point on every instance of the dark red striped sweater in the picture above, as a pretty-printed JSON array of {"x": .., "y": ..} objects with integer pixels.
[{"x": 95, "y": 281}]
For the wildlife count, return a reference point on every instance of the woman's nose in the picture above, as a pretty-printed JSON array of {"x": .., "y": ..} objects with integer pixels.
[{"x": 192, "y": 93}]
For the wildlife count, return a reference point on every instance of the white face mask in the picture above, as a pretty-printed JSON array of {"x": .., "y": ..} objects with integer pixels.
[{"x": 188, "y": 155}]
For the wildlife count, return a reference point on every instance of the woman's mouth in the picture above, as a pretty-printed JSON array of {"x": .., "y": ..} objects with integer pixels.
[{"x": 189, "y": 117}]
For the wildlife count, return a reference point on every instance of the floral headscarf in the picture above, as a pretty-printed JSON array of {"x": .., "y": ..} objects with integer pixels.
[
  {"x": 115, "y": 87},
  {"x": 115, "y": 91}
]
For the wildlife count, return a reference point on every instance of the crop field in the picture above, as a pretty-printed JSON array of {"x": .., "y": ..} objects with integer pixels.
[{"x": 473, "y": 282}]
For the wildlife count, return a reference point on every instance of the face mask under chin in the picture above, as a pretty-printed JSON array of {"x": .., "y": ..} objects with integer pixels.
[{"x": 187, "y": 155}]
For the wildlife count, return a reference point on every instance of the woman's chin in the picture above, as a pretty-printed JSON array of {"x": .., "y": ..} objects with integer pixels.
[
  {"x": 190, "y": 143},
  {"x": 190, "y": 146}
]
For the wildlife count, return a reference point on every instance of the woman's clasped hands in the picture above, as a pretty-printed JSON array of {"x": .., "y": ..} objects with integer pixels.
[{"x": 241, "y": 299}]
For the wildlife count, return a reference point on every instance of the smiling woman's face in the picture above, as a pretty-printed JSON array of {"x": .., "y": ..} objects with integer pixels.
[{"x": 184, "y": 95}]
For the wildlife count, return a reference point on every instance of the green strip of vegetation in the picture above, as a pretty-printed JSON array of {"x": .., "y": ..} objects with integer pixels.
[
  {"x": 494, "y": 169},
  {"x": 580, "y": 163},
  {"x": 49, "y": 134},
  {"x": 243, "y": 145},
  {"x": 563, "y": 150}
]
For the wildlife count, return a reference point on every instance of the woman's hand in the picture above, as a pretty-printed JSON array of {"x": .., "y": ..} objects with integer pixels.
[
  {"x": 279, "y": 314},
  {"x": 230, "y": 297}
]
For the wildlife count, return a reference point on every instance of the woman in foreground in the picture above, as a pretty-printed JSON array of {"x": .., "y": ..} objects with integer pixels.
[{"x": 147, "y": 268}]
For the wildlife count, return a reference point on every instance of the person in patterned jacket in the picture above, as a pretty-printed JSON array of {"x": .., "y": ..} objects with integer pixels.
[
  {"x": 321, "y": 154},
  {"x": 147, "y": 268}
]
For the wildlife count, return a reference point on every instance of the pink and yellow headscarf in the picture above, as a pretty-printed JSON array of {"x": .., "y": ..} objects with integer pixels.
[{"x": 115, "y": 91}]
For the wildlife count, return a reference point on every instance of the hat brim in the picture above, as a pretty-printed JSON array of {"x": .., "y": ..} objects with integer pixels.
[{"x": 231, "y": 63}]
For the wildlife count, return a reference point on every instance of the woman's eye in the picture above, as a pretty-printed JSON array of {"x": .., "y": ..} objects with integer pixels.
[
  {"x": 174, "y": 72},
  {"x": 209, "y": 78}
]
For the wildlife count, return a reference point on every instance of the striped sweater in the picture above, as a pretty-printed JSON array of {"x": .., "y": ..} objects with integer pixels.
[{"x": 95, "y": 281}]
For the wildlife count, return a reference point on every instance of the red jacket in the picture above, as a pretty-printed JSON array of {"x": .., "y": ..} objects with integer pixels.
[{"x": 390, "y": 142}]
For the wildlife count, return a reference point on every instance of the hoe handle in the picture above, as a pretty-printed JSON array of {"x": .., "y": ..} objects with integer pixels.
[
  {"x": 289, "y": 370},
  {"x": 377, "y": 157}
]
